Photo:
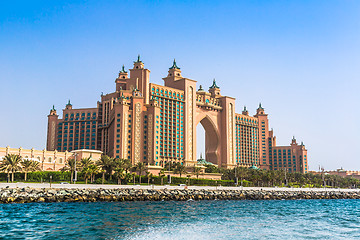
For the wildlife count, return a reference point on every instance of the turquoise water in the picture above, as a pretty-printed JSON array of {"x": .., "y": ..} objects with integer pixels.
[{"x": 293, "y": 219}]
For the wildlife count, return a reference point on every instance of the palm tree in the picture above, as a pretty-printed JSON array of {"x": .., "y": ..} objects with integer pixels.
[
  {"x": 188, "y": 176},
  {"x": 241, "y": 173},
  {"x": 93, "y": 169},
  {"x": 127, "y": 165},
  {"x": 29, "y": 165},
  {"x": 162, "y": 175},
  {"x": 149, "y": 176},
  {"x": 140, "y": 167},
  {"x": 197, "y": 171},
  {"x": 70, "y": 166},
  {"x": 85, "y": 162},
  {"x": 36, "y": 166},
  {"x": 119, "y": 174},
  {"x": 106, "y": 164},
  {"x": 119, "y": 163},
  {"x": 11, "y": 163},
  {"x": 5, "y": 168},
  {"x": 180, "y": 169}
]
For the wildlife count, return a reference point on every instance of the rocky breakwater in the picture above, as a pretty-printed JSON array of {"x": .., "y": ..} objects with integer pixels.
[{"x": 27, "y": 195}]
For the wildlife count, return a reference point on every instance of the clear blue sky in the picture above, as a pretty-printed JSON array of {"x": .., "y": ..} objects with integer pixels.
[{"x": 301, "y": 59}]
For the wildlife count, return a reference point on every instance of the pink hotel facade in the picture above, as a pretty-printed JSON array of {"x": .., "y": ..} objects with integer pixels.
[{"x": 155, "y": 124}]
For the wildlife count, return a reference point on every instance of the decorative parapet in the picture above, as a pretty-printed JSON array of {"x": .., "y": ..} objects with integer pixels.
[
  {"x": 246, "y": 120},
  {"x": 204, "y": 99}
]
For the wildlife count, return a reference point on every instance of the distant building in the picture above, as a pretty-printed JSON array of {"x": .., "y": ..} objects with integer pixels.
[
  {"x": 156, "y": 124},
  {"x": 202, "y": 161},
  {"x": 293, "y": 158},
  {"x": 50, "y": 160},
  {"x": 342, "y": 173}
]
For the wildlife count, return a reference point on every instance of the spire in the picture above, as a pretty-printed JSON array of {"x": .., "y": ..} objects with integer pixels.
[
  {"x": 138, "y": 59},
  {"x": 214, "y": 84},
  {"x": 68, "y": 105},
  {"x": 123, "y": 69},
  {"x": 260, "y": 107},
  {"x": 245, "y": 110},
  {"x": 53, "y": 109},
  {"x": 174, "y": 66},
  {"x": 293, "y": 138},
  {"x": 200, "y": 88}
]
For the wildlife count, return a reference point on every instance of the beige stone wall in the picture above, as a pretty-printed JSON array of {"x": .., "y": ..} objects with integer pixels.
[{"x": 49, "y": 160}]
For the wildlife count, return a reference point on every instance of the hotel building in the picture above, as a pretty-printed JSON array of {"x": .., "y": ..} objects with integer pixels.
[{"x": 155, "y": 124}]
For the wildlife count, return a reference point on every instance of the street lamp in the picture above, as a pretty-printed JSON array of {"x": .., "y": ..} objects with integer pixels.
[
  {"x": 75, "y": 172},
  {"x": 169, "y": 176},
  {"x": 54, "y": 163},
  {"x": 286, "y": 181},
  {"x": 236, "y": 178},
  {"x": 50, "y": 180}
]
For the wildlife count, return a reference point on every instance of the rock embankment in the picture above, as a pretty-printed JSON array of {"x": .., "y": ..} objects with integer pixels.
[{"x": 27, "y": 195}]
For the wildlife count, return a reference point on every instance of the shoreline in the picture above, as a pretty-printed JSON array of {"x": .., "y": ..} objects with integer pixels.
[
  {"x": 159, "y": 187},
  {"x": 32, "y": 192}
]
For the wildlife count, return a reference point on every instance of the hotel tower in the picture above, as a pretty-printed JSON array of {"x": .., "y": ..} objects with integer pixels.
[{"x": 155, "y": 124}]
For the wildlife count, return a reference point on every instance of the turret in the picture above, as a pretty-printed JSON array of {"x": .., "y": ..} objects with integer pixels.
[
  {"x": 260, "y": 110},
  {"x": 68, "y": 106},
  {"x": 214, "y": 89},
  {"x": 53, "y": 111},
  {"x": 174, "y": 71},
  {"x": 121, "y": 80},
  {"x": 138, "y": 64},
  {"x": 139, "y": 79},
  {"x": 245, "y": 111},
  {"x": 51, "y": 129}
]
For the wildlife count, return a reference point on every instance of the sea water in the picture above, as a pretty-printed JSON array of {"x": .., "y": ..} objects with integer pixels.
[{"x": 289, "y": 219}]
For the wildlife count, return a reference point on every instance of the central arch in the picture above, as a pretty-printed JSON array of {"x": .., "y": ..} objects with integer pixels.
[{"x": 212, "y": 140}]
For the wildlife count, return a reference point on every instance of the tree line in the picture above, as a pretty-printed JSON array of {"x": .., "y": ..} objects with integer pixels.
[
  {"x": 123, "y": 171},
  {"x": 271, "y": 178}
]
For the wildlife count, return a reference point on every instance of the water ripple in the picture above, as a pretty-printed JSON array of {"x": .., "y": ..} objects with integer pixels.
[{"x": 298, "y": 219}]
